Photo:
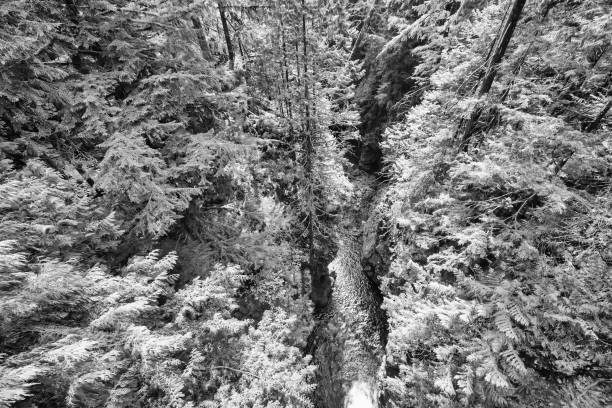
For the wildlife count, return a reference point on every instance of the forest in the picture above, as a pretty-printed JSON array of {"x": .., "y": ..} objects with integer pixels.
[{"x": 305, "y": 203}]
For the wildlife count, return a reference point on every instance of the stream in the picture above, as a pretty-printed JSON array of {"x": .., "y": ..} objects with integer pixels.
[{"x": 351, "y": 348}]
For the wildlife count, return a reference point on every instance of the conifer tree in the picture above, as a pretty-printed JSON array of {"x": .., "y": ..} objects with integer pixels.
[
  {"x": 171, "y": 171},
  {"x": 483, "y": 315}
]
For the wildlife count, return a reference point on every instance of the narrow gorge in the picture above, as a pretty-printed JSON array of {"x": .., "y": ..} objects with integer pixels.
[
  {"x": 352, "y": 331},
  {"x": 350, "y": 351}
]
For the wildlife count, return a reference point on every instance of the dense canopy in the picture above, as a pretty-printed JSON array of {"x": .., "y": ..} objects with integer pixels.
[{"x": 305, "y": 203}]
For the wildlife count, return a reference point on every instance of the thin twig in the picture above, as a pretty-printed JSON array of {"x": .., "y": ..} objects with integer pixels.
[{"x": 233, "y": 369}]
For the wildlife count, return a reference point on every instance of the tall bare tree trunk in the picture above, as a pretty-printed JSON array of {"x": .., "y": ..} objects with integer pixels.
[
  {"x": 500, "y": 47},
  {"x": 308, "y": 145},
  {"x": 297, "y": 62},
  {"x": 285, "y": 70},
  {"x": 365, "y": 24},
  {"x": 202, "y": 42},
  {"x": 305, "y": 62},
  {"x": 495, "y": 56},
  {"x": 226, "y": 33}
]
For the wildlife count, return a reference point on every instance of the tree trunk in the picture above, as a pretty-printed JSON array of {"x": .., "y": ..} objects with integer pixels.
[
  {"x": 498, "y": 51},
  {"x": 226, "y": 33},
  {"x": 297, "y": 62},
  {"x": 285, "y": 70},
  {"x": 309, "y": 147},
  {"x": 545, "y": 9},
  {"x": 364, "y": 26},
  {"x": 305, "y": 56},
  {"x": 501, "y": 46},
  {"x": 204, "y": 48}
]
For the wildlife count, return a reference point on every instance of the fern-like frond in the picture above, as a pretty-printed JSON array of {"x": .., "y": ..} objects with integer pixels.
[{"x": 16, "y": 383}]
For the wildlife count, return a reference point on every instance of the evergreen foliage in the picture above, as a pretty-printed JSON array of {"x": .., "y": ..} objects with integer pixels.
[
  {"x": 498, "y": 292},
  {"x": 175, "y": 177},
  {"x": 123, "y": 130}
]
